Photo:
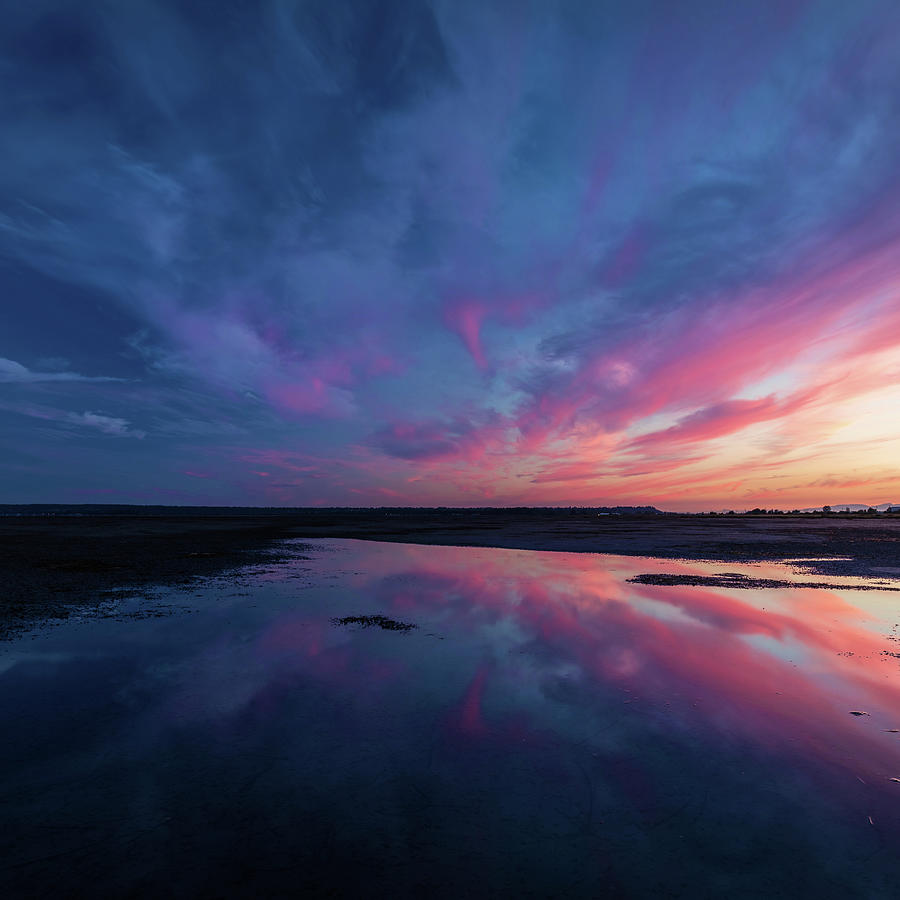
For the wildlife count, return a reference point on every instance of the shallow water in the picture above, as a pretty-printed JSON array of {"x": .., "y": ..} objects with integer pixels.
[{"x": 548, "y": 728}]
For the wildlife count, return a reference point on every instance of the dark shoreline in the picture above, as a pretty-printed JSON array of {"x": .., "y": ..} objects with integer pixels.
[{"x": 55, "y": 558}]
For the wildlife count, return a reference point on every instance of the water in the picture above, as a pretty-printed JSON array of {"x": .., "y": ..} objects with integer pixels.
[{"x": 547, "y": 729}]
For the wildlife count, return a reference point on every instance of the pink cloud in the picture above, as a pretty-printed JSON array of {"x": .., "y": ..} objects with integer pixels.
[
  {"x": 307, "y": 397},
  {"x": 626, "y": 259},
  {"x": 460, "y": 439},
  {"x": 724, "y": 418},
  {"x": 465, "y": 318}
]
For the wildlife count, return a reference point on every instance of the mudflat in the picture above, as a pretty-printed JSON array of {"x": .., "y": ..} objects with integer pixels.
[
  {"x": 54, "y": 559},
  {"x": 50, "y": 565}
]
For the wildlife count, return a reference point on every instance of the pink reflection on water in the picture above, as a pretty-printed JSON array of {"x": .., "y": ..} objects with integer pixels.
[
  {"x": 468, "y": 718},
  {"x": 783, "y": 667},
  {"x": 513, "y": 647}
]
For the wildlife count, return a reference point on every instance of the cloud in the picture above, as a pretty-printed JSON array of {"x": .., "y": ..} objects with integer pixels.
[
  {"x": 459, "y": 440},
  {"x": 723, "y": 419},
  {"x": 106, "y": 424},
  {"x": 12, "y": 372},
  {"x": 112, "y": 425}
]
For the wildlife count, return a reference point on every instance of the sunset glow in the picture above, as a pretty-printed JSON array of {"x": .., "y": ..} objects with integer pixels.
[{"x": 453, "y": 254}]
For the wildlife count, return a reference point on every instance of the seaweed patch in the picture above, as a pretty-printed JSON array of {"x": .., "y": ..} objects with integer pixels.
[
  {"x": 736, "y": 580},
  {"x": 374, "y": 622}
]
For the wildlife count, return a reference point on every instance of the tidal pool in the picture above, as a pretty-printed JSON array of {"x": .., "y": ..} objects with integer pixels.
[{"x": 394, "y": 720}]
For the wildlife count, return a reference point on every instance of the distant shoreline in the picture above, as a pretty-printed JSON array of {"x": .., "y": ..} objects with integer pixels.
[{"x": 81, "y": 510}]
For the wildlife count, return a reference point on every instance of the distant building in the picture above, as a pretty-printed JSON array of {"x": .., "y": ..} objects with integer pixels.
[{"x": 893, "y": 509}]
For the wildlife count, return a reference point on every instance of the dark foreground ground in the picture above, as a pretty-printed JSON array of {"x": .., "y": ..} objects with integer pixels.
[{"x": 53, "y": 560}]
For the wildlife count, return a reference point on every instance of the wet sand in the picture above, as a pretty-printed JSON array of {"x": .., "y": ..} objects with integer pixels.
[
  {"x": 52, "y": 565},
  {"x": 53, "y": 560}
]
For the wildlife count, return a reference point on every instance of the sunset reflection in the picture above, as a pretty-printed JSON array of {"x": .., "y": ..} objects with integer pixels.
[
  {"x": 782, "y": 669},
  {"x": 435, "y": 718}
]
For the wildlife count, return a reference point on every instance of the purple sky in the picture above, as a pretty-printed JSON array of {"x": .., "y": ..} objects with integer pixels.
[{"x": 461, "y": 253}]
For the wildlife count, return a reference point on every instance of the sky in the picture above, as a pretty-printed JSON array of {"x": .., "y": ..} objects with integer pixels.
[{"x": 459, "y": 253}]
